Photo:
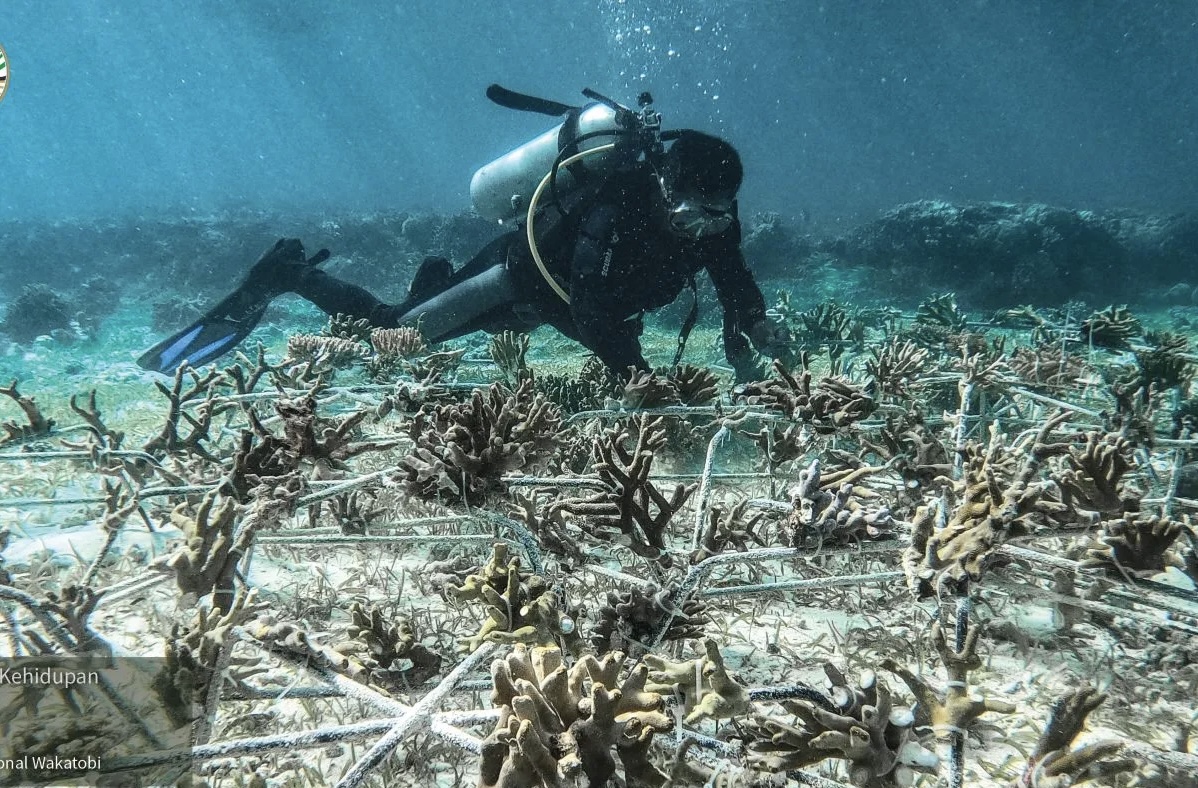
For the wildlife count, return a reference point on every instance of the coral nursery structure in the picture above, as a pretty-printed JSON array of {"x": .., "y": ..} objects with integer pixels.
[{"x": 918, "y": 551}]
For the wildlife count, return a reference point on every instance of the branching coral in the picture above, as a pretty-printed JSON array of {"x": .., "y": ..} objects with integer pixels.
[
  {"x": 941, "y": 310},
  {"x": 462, "y": 451},
  {"x": 508, "y": 350},
  {"x": 215, "y": 542},
  {"x": 383, "y": 647},
  {"x": 1094, "y": 480},
  {"x": 404, "y": 342},
  {"x": 649, "y": 390},
  {"x": 549, "y": 527},
  {"x": 896, "y": 367},
  {"x": 726, "y": 528},
  {"x": 566, "y": 727},
  {"x": 839, "y": 516},
  {"x": 194, "y": 655},
  {"x": 1137, "y": 543},
  {"x": 703, "y": 685},
  {"x": 631, "y": 619},
  {"x": 856, "y": 724},
  {"x": 36, "y": 425},
  {"x": 827, "y": 406},
  {"x": 169, "y": 441},
  {"x": 1112, "y": 327},
  {"x": 957, "y": 711},
  {"x": 338, "y": 352},
  {"x": 1053, "y": 764},
  {"x": 1000, "y": 498},
  {"x": 1047, "y": 367},
  {"x": 695, "y": 385},
  {"x": 292, "y": 640},
  {"x": 521, "y": 607},
  {"x": 630, "y": 505}
]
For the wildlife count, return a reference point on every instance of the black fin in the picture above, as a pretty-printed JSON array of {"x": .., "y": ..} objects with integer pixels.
[
  {"x": 431, "y": 277},
  {"x": 525, "y": 103}
]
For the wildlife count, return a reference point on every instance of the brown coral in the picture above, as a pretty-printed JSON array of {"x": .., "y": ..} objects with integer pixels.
[
  {"x": 567, "y": 727},
  {"x": 630, "y": 505},
  {"x": 462, "y": 451}
]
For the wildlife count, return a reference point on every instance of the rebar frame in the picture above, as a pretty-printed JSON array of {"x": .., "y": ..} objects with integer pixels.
[{"x": 404, "y": 720}]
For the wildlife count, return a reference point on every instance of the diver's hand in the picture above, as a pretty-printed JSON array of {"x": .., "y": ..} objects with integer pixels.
[
  {"x": 281, "y": 268},
  {"x": 769, "y": 337}
]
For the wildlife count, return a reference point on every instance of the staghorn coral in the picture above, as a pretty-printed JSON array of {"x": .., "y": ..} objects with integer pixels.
[
  {"x": 521, "y": 607},
  {"x": 195, "y": 652},
  {"x": 703, "y": 685},
  {"x": 828, "y": 406},
  {"x": 1047, "y": 367},
  {"x": 839, "y": 516},
  {"x": 383, "y": 647},
  {"x": 855, "y": 724},
  {"x": 1053, "y": 765},
  {"x": 1164, "y": 365},
  {"x": 1112, "y": 327},
  {"x": 957, "y": 711},
  {"x": 592, "y": 388},
  {"x": 941, "y": 310},
  {"x": 566, "y": 727},
  {"x": 895, "y": 368},
  {"x": 911, "y": 449},
  {"x": 695, "y": 385},
  {"x": 337, "y": 352},
  {"x": 549, "y": 527},
  {"x": 631, "y": 619},
  {"x": 169, "y": 440},
  {"x": 726, "y": 528},
  {"x": 649, "y": 390},
  {"x": 36, "y": 426},
  {"x": 307, "y": 438},
  {"x": 508, "y": 350},
  {"x": 1000, "y": 498},
  {"x": 344, "y": 326},
  {"x": 630, "y": 507},
  {"x": 215, "y": 541},
  {"x": 462, "y": 451},
  {"x": 1137, "y": 544},
  {"x": 1094, "y": 479},
  {"x": 404, "y": 342},
  {"x": 292, "y": 640}
]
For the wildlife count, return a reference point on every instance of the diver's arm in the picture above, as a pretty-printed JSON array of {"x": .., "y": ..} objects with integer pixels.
[
  {"x": 744, "y": 306},
  {"x": 615, "y": 341}
]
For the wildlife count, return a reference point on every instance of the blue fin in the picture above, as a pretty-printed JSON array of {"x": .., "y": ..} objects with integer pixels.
[{"x": 213, "y": 335}]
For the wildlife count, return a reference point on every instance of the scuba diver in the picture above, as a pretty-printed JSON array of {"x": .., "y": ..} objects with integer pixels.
[{"x": 615, "y": 224}]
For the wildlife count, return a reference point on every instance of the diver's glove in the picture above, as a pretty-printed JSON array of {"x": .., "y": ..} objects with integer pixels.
[
  {"x": 281, "y": 269},
  {"x": 770, "y": 337}
]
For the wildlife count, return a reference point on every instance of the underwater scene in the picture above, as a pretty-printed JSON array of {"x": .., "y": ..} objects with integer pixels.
[{"x": 599, "y": 393}]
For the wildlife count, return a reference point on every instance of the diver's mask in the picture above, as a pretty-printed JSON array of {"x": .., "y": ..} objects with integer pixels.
[{"x": 695, "y": 216}]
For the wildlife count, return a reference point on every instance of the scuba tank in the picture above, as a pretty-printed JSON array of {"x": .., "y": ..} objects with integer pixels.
[{"x": 503, "y": 189}]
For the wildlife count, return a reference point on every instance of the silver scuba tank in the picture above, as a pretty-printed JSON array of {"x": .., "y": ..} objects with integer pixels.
[{"x": 502, "y": 189}]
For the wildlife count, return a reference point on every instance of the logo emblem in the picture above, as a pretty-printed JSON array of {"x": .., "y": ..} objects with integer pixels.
[{"x": 3, "y": 73}]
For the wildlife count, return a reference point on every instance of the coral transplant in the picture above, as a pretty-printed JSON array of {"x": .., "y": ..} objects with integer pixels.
[{"x": 925, "y": 546}]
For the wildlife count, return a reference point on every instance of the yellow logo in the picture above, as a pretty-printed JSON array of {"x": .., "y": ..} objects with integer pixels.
[{"x": 3, "y": 73}]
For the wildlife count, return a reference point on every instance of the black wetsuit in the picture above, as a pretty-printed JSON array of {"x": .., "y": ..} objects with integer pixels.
[{"x": 613, "y": 254}]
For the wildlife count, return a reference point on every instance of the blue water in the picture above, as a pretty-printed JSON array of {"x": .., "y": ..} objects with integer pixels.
[{"x": 840, "y": 109}]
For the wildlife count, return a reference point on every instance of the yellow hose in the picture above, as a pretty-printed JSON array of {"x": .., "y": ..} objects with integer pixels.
[{"x": 532, "y": 209}]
